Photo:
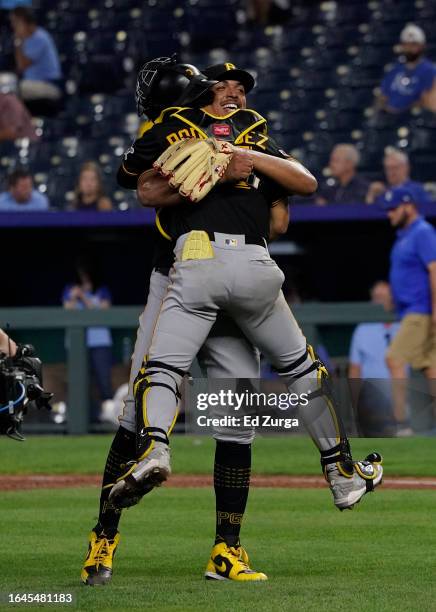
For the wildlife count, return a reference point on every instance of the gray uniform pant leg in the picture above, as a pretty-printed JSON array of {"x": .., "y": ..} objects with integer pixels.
[
  {"x": 147, "y": 321},
  {"x": 227, "y": 354},
  {"x": 185, "y": 320},
  {"x": 281, "y": 340}
]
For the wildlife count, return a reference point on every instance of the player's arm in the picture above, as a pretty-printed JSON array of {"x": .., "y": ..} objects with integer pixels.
[
  {"x": 154, "y": 191},
  {"x": 278, "y": 219},
  {"x": 7, "y": 346},
  {"x": 288, "y": 173},
  {"x": 137, "y": 159}
]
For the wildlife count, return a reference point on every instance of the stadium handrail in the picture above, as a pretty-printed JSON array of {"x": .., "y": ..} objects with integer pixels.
[
  {"x": 310, "y": 316},
  {"x": 301, "y": 213}
]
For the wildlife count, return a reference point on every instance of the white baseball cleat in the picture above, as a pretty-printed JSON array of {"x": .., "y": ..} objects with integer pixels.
[
  {"x": 149, "y": 472},
  {"x": 348, "y": 489}
]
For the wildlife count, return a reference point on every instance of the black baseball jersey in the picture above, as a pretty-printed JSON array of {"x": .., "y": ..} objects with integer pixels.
[{"x": 233, "y": 208}]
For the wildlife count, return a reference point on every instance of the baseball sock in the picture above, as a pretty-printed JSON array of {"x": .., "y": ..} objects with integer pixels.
[
  {"x": 231, "y": 482},
  {"x": 121, "y": 451}
]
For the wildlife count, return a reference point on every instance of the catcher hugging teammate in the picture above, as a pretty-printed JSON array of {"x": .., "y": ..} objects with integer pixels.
[{"x": 218, "y": 180}]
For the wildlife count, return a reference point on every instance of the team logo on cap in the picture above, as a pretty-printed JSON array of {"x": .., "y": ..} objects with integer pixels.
[{"x": 230, "y": 66}]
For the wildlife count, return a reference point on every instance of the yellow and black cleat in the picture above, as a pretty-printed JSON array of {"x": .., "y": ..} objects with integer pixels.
[
  {"x": 97, "y": 569},
  {"x": 231, "y": 563}
]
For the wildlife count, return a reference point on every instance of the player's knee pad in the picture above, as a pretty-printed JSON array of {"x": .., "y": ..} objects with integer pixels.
[
  {"x": 153, "y": 374},
  {"x": 307, "y": 375},
  {"x": 309, "y": 378}
]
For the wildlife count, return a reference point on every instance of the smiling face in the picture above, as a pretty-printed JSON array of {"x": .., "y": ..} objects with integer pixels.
[{"x": 228, "y": 97}]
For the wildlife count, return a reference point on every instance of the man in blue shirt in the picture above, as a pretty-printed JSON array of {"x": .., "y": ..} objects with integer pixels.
[
  {"x": 21, "y": 196},
  {"x": 368, "y": 373},
  {"x": 36, "y": 58},
  {"x": 413, "y": 81},
  {"x": 413, "y": 283}
]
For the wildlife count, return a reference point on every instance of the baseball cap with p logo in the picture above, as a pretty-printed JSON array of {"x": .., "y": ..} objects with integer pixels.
[{"x": 229, "y": 72}]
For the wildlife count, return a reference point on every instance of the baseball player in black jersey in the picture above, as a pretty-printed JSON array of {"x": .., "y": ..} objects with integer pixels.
[
  {"x": 222, "y": 263},
  {"x": 225, "y": 354}
]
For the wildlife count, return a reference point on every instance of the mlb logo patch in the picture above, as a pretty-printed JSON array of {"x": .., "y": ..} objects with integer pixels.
[
  {"x": 221, "y": 129},
  {"x": 231, "y": 242}
]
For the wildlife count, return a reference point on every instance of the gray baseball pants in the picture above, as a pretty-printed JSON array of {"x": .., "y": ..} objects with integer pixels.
[{"x": 245, "y": 282}]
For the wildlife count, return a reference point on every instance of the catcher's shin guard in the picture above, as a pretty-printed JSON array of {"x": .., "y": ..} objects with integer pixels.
[
  {"x": 97, "y": 569},
  {"x": 308, "y": 376},
  {"x": 152, "y": 466},
  {"x": 349, "y": 480}
]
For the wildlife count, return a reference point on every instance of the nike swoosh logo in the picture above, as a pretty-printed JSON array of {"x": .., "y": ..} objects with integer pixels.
[{"x": 220, "y": 568}]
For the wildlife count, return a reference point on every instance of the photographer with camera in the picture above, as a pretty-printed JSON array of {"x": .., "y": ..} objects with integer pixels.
[{"x": 20, "y": 385}]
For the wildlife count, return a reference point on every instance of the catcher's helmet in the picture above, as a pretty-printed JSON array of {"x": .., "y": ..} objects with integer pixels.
[{"x": 164, "y": 82}]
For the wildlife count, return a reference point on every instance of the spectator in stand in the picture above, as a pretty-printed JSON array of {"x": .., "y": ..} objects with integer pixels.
[
  {"x": 411, "y": 82},
  {"x": 89, "y": 192},
  {"x": 413, "y": 281},
  {"x": 89, "y": 292},
  {"x": 37, "y": 60},
  {"x": 397, "y": 171},
  {"x": 346, "y": 186},
  {"x": 369, "y": 375},
  {"x": 21, "y": 196},
  {"x": 15, "y": 120}
]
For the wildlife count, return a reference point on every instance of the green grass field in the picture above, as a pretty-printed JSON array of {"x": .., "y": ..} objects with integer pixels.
[
  {"x": 194, "y": 455},
  {"x": 379, "y": 557}
]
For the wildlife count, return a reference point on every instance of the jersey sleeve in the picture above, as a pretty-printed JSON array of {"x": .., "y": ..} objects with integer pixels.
[
  {"x": 272, "y": 190},
  {"x": 273, "y": 148},
  {"x": 138, "y": 158}
]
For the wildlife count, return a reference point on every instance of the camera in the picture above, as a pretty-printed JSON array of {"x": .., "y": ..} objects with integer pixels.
[{"x": 21, "y": 388}]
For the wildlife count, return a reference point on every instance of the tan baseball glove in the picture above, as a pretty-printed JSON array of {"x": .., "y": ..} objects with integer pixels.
[{"x": 194, "y": 166}]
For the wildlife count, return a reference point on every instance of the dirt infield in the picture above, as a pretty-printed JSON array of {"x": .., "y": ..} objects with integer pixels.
[{"x": 60, "y": 481}]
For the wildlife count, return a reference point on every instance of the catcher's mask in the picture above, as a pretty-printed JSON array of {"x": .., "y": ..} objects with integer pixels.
[{"x": 164, "y": 82}]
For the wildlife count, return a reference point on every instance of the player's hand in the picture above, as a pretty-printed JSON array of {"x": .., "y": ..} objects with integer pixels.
[{"x": 240, "y": 166}]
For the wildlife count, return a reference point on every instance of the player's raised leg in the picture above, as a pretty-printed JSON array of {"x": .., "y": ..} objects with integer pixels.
[{"x": 276, "y": 333}]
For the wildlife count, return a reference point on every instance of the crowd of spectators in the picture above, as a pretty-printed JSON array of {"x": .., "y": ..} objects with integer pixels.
[{"x": 39, "y": 90}]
